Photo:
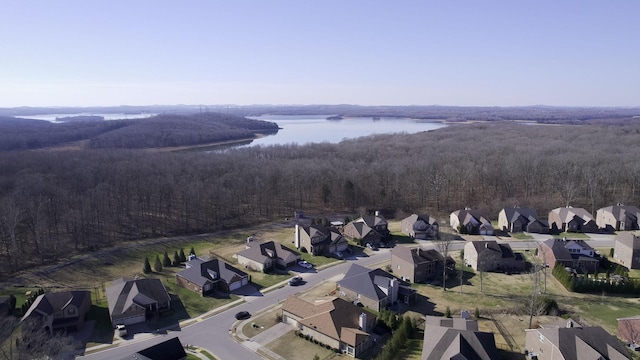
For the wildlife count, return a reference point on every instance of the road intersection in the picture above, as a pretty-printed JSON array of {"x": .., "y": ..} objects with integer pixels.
[{"x": 213, "y": 331}]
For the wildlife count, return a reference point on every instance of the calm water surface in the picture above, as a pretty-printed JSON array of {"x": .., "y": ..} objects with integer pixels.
[{"x": 299, "y": 129}]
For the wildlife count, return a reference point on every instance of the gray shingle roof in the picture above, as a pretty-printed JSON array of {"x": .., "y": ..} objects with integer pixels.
[
  {"x": 622, "y": 212},
  {"x": 416, "y": 255},
  {"x": 566, "y": 214},
  {"x": 199, "y": 273},
  {"x": 445, "y": 342},
  {"x": 575, "y": 341},
  {"x": 559, "y": 248},
  {"x": 504, "y": 250},
  {"x": 124, "y": 293},
  {"x": 260, "y": 252},
  {"x": 366, "y": 282},
  {"x": 52, "y": 302}
]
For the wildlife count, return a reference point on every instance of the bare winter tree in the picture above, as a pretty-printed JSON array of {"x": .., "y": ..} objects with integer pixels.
[
  {"x": 536, "y": 307},
  {"x": 568, "y": 183},
  {"x": 9, "y": 216},
  {"x": 37, "y": 343},
  {"x": 444, "y": 245}
]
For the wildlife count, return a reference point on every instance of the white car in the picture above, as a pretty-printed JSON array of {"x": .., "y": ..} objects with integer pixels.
[
  {"x": 305, "y": 264},
  {"x": 122, "y": 330}
]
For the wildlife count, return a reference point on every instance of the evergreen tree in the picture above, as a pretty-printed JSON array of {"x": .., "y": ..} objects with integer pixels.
[
  {"x": 182, "y": 257},
  {"x": 166, "y": 262},
  {"x": 447, "y": 312},
  {"x": 146, "y": 268},
  {"x": 158, "y": 265},
  {"x": 12, "y": 304},
  {"x": 176, "y": 258},
  {"x": 192, "y": 252}
]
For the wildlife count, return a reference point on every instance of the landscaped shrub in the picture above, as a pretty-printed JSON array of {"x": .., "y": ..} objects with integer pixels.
[{"x": 584, "y": 284}]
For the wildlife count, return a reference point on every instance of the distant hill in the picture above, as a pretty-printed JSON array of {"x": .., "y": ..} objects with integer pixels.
[{"x": 157, "y": 131}]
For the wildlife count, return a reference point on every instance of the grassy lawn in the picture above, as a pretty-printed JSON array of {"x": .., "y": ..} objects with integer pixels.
[
  {"x": 264, "y": 280},
  {"x": 521, "y": 236},
  {"x": 20, "y": 293},
  {"x": 413, "y": 349},
  {"x": 206, "y": 353},
  {"x": 262, "y": 323},
  {"x": 291, "y": 346},
  {"x": 571, "y": 235}
]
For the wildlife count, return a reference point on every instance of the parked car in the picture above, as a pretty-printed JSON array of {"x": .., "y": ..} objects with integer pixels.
[
  {"x": 372, "y": 247},
  {"x": 242, "y": 315},
  {"x": 122, "y": 330},
  {"x": 305, "y": 264},
  {"x": 296, "y": 280}
]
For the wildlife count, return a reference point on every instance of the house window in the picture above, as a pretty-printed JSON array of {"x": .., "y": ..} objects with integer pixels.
[{"x": 71, "y": 311}]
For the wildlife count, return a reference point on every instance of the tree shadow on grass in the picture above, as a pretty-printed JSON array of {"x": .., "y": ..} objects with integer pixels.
[
  {"x": 423, "y": 306},
  {"x": 102, "y": 329}
]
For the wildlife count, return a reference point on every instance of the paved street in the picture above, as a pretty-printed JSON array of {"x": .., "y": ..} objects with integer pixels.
[{"x": 213, "y": 333}]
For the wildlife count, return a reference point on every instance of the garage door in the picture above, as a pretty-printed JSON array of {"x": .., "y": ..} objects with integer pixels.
[
  {"x": 131, "y": 320},
  {"x": 235, "y": 285},
  {"x": 245, "y": 281}
]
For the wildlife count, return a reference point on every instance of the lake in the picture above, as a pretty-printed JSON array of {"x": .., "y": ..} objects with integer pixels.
[{"x": 304, "y": 129}]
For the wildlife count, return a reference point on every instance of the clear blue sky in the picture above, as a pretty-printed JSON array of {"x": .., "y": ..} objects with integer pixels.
[{"x": 476, "y": 52}]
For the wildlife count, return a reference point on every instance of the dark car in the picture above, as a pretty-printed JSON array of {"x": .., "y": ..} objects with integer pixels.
[
  {"x": 295, "y": 281},
  {"x": 242, "y": 315}
]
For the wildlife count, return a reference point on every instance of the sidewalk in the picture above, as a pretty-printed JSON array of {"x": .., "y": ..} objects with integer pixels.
[
  {"x": 239, "y": 337},
  {"x": 182, "y": 324}
]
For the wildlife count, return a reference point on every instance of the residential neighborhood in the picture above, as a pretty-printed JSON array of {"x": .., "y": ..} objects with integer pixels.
[{"x": 346, "y": 318}]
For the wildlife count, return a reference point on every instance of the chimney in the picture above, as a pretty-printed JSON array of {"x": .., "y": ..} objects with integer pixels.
[
  {"x": 296, "y": 239},
  {"x": 362, "y": 321}
]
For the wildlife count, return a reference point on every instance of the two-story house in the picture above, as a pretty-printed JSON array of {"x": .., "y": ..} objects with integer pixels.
[
  {"x": 319, "y": 240},
  {"x": 375, "y": 289},
  {"x": 421, "y": 227},
  {"x": 369, "y": 229},
  {"x": 469, "y": 221},
  {"x": 491, "y": 256},
  {"x": 618, "y": 218},
  {"x": 627, "y": 250},
  {"x": 61, "y": 311},
  {"x": 576, "y": 254},
  {"x": 572, "y": 219},
  {"x": 573, "y": 343},
  {"x": 517, "y": 219},
  {"x": 417, "y": 265},
  {"x": 264, "y": 256}
]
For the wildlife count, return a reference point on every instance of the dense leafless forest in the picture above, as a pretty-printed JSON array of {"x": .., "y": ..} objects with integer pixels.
[
  {"x": 158, "y": 131},
  {"x": 57, "y": 203}
]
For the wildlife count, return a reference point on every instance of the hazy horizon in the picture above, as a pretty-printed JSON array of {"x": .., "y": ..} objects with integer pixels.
[{"x": 72, "y": 53}]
